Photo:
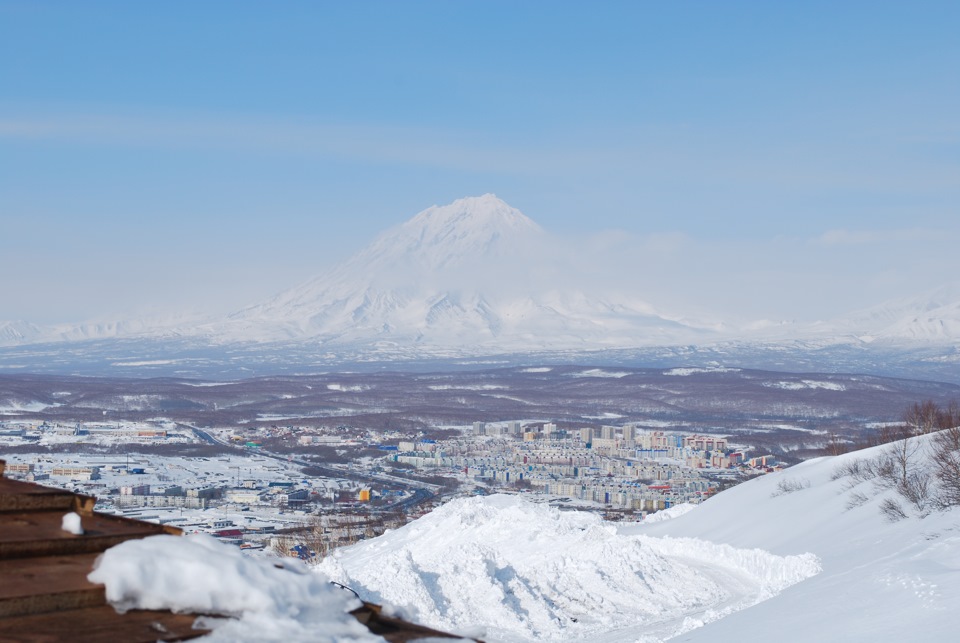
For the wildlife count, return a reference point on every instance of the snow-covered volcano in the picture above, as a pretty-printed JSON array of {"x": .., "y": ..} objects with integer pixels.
[
  {"x": 477, "y": 277},
  {"x": 474, "y": 273}
]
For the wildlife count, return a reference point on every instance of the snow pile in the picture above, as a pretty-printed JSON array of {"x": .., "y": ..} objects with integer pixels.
[
  {"x": 273, "y": 600},
  {"x": 526, "y": 572},
  {"x": 671, "y": 513},
  {"x": 71, "y": 524}
]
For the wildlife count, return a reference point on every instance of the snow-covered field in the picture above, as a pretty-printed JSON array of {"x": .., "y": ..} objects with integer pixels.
[
  {"x": 806, "y": 384},
  {"x": 598, "y": 372},
  {"x": 683, "y": 372}
]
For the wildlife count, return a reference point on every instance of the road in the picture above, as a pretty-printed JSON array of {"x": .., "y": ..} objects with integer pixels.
[{"x": 422, "y": 492}]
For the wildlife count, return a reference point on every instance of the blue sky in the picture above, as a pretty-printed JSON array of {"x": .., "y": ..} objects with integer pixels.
[{"x": 801, "y": 159}]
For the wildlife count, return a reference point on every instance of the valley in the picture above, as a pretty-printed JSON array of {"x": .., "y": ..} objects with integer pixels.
[{"x": 791, "y": 415}]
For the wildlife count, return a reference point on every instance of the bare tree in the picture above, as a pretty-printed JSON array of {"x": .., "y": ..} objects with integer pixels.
[
  {"x": 892, "y": 510},
  {"x": 946, "y": 448},
  {"x": 922, "y": 417},
  {"x": 836, "y": 445}
]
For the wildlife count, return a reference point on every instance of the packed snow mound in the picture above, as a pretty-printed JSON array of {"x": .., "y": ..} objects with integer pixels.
[
  {"x": 272, "y": 600},
  {"x": 670, "y": 513},
  {"x": 524, "y": 571}
]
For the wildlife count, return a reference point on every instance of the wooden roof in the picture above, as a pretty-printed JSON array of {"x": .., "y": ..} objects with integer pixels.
[
  {"x": 45, "y": 595},
  {"x": 44, "y": 592}
]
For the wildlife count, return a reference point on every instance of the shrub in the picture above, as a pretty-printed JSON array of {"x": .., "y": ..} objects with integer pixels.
[
  {"x": 892, "y": 509},
  {"x": 946, "y": 449},
  {"x": 789, "y": 485}
]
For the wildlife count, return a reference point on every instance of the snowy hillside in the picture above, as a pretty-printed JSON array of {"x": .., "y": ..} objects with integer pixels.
[
  {"x": 809, "y": 551},
  {"x": 13, "y": 333},
  {"x": 931, "y": 317},
  {"x": 882, "y": 579}
]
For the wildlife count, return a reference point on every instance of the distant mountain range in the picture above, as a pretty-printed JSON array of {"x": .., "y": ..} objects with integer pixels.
[{"x": 477, "y": 277}]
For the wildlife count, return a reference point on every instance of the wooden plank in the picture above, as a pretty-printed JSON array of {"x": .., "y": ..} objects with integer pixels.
[
  {"x": 99, "y": 625},
  {"x": 25, "y": 496},
  {"x": 47, "y": 584},
  {"x": 396, "y": 630},
  {"x": 39, "y": 533},
  {"x": 44, "y": 592}
]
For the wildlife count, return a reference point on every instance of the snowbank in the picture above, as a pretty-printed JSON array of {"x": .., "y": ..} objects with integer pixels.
[
  {"x": 272, "y": 600},
  {"x": 671, "y": 513},
  {"x": 525, "y": 571}
]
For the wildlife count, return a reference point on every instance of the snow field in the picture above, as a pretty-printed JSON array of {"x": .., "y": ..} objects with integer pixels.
[{"x": 525, "y": 572}]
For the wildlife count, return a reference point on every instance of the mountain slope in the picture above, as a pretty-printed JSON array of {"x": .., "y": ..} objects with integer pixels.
[
  {"x": 930, "y": 317},
  {"x": 18, "y": 332},
  {"x": 460, "y": 275}
]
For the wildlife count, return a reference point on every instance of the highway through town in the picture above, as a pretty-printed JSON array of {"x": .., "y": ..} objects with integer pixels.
[{"x": 421, "y": 491}]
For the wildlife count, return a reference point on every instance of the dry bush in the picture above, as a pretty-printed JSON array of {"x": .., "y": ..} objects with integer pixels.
[
  {"x": 860, "y": 470},
  {"x": 917, "y": 489},
  {"x": 946, "y": 449},
  {"x": 925, "y": 483},
  {"x": 856, "y": 499},
  {"x": 789, "y": 485},
  {"x": 892, "y": 509}
]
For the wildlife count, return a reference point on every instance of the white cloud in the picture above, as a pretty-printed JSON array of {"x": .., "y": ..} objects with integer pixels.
[
  {"x": 448, "y": 148},
  {"x": 864, "y": 237}
]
